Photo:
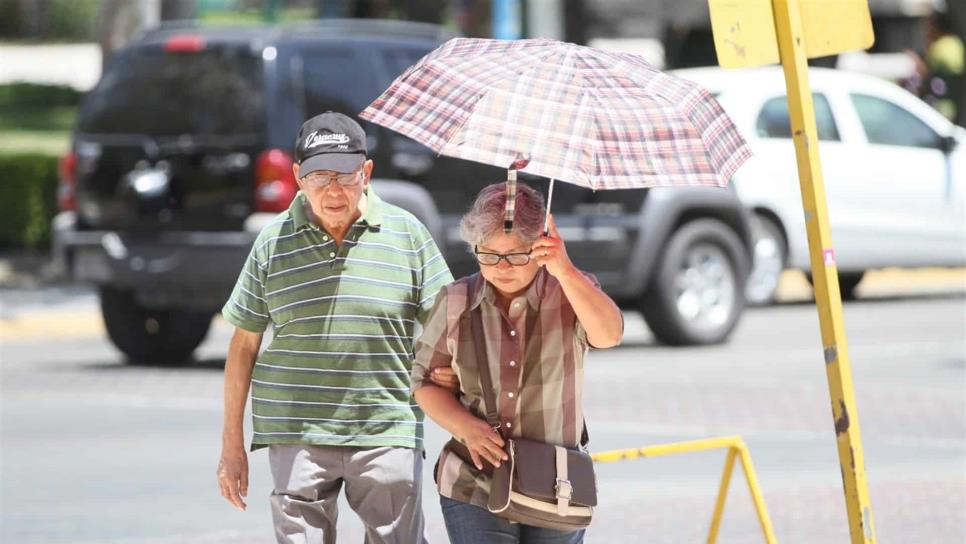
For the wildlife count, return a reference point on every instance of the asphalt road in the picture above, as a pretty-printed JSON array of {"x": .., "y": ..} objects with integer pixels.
[{"x": 96, "y": 451}]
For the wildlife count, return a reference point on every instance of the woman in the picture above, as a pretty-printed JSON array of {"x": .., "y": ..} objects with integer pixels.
[{"x": 540, "y": 314}]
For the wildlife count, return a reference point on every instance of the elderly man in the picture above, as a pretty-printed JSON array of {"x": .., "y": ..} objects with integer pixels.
[{"x": 343, "y": 277}]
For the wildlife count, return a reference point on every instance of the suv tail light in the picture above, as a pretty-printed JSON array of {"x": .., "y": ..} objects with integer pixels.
[
  {"x": 184, "y": 43},
  {"x": 67, "y": 185},
  {"x": 275, "y": 185}
]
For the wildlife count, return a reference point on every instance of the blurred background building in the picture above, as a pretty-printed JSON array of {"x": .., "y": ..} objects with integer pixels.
[{"x": 670, "y": 33}]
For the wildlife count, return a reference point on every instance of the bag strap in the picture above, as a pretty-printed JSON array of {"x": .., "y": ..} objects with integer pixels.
[{"x": 483, "y": 367}]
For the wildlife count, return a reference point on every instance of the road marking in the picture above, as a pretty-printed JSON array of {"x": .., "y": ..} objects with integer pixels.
[
  {"x": 51, "y": 326},
  {"x": 783, "y": 435}
]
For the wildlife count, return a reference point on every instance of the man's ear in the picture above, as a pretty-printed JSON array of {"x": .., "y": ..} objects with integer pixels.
[
  {"x": 295, "y": 170},
  {"x": 367, "y": 170}
]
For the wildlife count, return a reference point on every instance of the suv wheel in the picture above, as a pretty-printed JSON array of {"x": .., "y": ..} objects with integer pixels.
[
  {"x": 151, "y": 336},
  {"x": 698, "y": 291},
  {"x": 771, "y": 251}
]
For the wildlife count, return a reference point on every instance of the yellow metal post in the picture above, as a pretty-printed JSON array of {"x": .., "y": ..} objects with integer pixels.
[
  {"x": 736, "y": 448},
  {"x": 755, "y": 490},
  {"x": 791, "y": 45},
  {"x": 722, "y": 495}
]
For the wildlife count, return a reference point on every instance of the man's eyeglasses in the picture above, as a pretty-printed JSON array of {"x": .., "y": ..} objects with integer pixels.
[
  {"x": 317, "y": 179},
  {"x": 493, "y": 259}
]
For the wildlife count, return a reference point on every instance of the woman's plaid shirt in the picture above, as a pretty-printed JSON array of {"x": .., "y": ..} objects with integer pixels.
[{"x": 535, "y": 355}]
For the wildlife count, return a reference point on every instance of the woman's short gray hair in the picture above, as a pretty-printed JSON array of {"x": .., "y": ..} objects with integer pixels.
[{"x": 485, "y": 217}]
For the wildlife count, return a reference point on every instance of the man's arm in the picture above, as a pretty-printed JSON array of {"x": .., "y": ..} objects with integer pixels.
[{"x": 233, "y": 466}]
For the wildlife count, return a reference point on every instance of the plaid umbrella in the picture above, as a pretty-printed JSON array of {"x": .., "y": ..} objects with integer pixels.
[{"x": 598, "y": 119}]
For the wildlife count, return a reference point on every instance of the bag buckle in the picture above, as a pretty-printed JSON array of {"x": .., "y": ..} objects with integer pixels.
[{"x": 564, "y": 489}]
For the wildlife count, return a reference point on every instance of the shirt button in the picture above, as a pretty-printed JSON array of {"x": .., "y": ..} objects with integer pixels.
[
  {"x": 513, "y": 333},
  {"x": 513, "y": 363},
  {"x": 510, "y": 394},
  {"x": 325, "y": 238},
  {"x": 509, "y": 425},
  {"x": 332, "y": 254}
]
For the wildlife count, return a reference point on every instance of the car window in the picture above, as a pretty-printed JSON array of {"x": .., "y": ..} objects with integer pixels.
[
  {"x": 216, "y": 91},
  {"x": 336, "y": 78},
  {"x": 773, "y": 120},
  {"x": 397, "y": 59},
  {"x": 888, "y": 124}
]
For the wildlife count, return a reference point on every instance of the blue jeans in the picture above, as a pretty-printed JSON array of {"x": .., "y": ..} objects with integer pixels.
[{"x": 469, "y": 524}]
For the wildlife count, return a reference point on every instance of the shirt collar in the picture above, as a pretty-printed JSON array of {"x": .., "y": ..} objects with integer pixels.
[
  {"x": 374, "y": 208},
  {"x": 482, "y": 290},
  {"x": 372, "y": 216}
]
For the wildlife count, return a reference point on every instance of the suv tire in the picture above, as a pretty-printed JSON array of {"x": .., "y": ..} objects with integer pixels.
[
  {"x": 771, "y": 254},
  {"x": 697, "y": 293},
  {"x": 164, "y": 337}
]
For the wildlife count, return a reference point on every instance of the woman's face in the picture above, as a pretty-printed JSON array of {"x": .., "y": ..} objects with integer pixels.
[{"x": 509, "y": 280}]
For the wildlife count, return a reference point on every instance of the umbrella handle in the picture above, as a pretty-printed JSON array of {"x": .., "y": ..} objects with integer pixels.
[
  {"x": 546, "y": 218},
  {"x": 511, "y": 197}
]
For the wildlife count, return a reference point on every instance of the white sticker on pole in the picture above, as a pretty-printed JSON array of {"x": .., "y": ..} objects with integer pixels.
[{"x": 829, "y": 257}]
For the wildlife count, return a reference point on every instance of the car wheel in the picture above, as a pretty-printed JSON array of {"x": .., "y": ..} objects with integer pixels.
[
  {"x": 697, "y": 293},
  {"x": 151, "y": 336},
  {"x": 848, "y": 282},
  {"x": 770, "y": 256}
]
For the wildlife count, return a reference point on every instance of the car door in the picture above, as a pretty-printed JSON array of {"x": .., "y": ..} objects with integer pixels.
[
  {"x": 776, "y": 153},
  {"x": 912, "y": 200}
]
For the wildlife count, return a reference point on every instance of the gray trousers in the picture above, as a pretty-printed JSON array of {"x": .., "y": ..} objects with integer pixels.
[{"x": 382, "y": 485}]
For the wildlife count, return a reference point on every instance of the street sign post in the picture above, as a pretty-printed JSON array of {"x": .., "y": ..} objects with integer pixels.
[{"x": 755, "y": 32}]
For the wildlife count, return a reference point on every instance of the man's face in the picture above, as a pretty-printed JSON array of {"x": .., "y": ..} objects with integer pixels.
[{"x": 335, "y": 196}]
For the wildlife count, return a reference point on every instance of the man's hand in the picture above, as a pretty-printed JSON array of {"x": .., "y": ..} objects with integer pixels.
[
  {"x": 233, "y": 476},
  {"x": 446, "y": 378}
]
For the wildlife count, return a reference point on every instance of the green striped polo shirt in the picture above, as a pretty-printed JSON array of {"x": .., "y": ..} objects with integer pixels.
[{"x": 337, "y": 370}]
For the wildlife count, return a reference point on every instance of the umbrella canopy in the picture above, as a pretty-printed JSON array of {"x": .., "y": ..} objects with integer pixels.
[{"x": 598, "y": 119}]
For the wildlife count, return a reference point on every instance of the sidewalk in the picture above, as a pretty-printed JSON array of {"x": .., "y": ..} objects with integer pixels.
[{"x": 29, "y": 270}]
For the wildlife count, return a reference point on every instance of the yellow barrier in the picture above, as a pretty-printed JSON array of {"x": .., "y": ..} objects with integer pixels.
[{"x": 735, "y": 446}]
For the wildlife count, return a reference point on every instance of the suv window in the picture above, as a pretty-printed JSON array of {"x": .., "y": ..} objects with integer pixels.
[
  {"x": 888, "y": 124},
  {"x": 216, "y": 91},
  {"x": 397, "y": 59},
  {"x": 337, "y": 79},
  {"x": 773, "y": 120}
]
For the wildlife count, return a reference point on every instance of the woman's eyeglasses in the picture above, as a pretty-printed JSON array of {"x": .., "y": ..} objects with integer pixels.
[{"x": 493, "y": 259}]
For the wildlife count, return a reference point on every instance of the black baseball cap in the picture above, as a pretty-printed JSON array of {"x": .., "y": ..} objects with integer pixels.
[{"x": 330, "y": 141}]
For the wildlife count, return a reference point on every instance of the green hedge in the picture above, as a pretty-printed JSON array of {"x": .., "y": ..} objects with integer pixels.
[
  {"x": 23, "y": 94},
  {"x": 28, "y": 200},
  {"x": 58, "y": 20}
]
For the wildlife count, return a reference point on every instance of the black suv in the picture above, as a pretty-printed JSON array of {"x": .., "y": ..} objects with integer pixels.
[{"x": 183, "y": 152}]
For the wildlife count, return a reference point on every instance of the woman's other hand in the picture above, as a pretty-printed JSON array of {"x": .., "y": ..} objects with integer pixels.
[{"x": 484, "y": 443}]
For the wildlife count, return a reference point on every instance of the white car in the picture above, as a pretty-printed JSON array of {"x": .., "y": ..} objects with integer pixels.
[{"x": 894, "y": 170}]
